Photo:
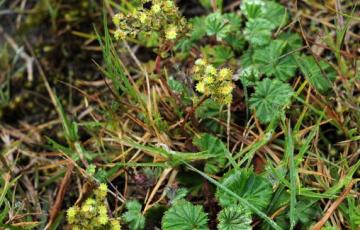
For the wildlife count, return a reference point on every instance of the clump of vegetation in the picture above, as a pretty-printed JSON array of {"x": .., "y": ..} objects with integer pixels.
[{"x": 93, "y": 213}]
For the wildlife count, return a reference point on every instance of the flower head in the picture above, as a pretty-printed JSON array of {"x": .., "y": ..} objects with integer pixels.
[
  {"x": 200, "y": 87},
  {"x": 210, "y": 69},
  {"x": 171, "y": 32},
  {"x": 156, "y": 8},
  {"x": 101, "y": 191},
  {"x": 71, "y": 214},
  {"x": 143, "y": 17},
  {"x": 117, "y": 18},
  {"x": 119, "y": 34},
  {"x": 225, "y": 74}
]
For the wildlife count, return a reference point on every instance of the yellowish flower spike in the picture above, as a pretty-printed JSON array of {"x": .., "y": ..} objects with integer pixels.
[
  {"x": 92, "y": 214},
  {"x": 216, "y": 83},
  {"x": 163, "y": 18}
]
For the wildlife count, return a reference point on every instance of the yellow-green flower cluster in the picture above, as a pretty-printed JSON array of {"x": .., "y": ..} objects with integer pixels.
[
  {"x": 92, "y": 214},
  {"x": 213, "y": 82},
  {"x": 162, "y": 17}
]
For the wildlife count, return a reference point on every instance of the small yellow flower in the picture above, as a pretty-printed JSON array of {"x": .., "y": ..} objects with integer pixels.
[
  {"x": 200, "y": 61},
  {"x": 115, "y": 225},
  {"x": 197, "y": 69},
  {"x": 200, "y": 87},
  {"x": 171, "y": 32},
  {"x": 210, "y": 70},
  {"x": 156, "y": 8},
  {"x": 209, "y": 80},
  {"x": 225, "y": 74},
  {"x": 226, "y": 89},
  {"x": 102, "y": 210},
  {"x": 71, "y": 214},
  {"x": 119, "y": 34},
  {"x": 117, "y": 18},
  {"x": 101, "y": 191},
  {"x": 103, "y": 219},
  {"x": 143, "y": 17}
]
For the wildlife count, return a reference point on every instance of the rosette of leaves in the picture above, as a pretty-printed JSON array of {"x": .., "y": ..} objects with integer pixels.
[
  {"x": 213, "y": 146},
  {"x": 133, "y": 216},
  {"x": 247, "y": 185},
  {"x": 270, "y": 98},
  {"x": 183, "y": 215},
  {"x": 234, "y": 218},
  {"x": 273, "y": 61}
]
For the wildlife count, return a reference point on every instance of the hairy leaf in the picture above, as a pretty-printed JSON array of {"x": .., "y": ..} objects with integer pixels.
[
  {"x": 183, "y": 215},
  {"x": 272, "y": 61},
  {"x": 246, "y": 184},
  {"x": 214, "y": 146},
  {"x": 320, "y": 75},
  {"x": 217, "y": 25},
  {"x": 258, "y": 31},
  {"x": 234, "y": 218},
  {"x": 270, "y": 98},
  {"x": 133, "y": 215}
]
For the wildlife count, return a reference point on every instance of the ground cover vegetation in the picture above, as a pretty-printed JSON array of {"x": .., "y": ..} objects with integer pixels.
[{"x": 179, "y": 115}]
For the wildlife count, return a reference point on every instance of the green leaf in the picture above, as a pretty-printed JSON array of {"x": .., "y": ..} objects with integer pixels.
[
  {"x": 258, "y": 31},
  {"x": 320, "y": 75},
  {"x": 252, "y": 8},
  {"x": 246, "y": 184},
  {"x": 198, "y": 28},
  {"x": 354, "y": 213},
  {"x": 294, "y": 41},
  {"x": 275, "y": 13},
  {"x": 272, "y": 61},
  {"x": 234, "y": 218},
  {"x": 217, "y": 25},
  {"x": 208, "y": 110},
  {"x": 249, "y": 76},
  {"x": 175, "y": 195},
  {"x": 133, "y": 215},
  {"x": 270, "y": 98},
  {"x": 212, "y": 145},
  {"x": 183, "y": 215},
  {"x": 218, "y": 55}
]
